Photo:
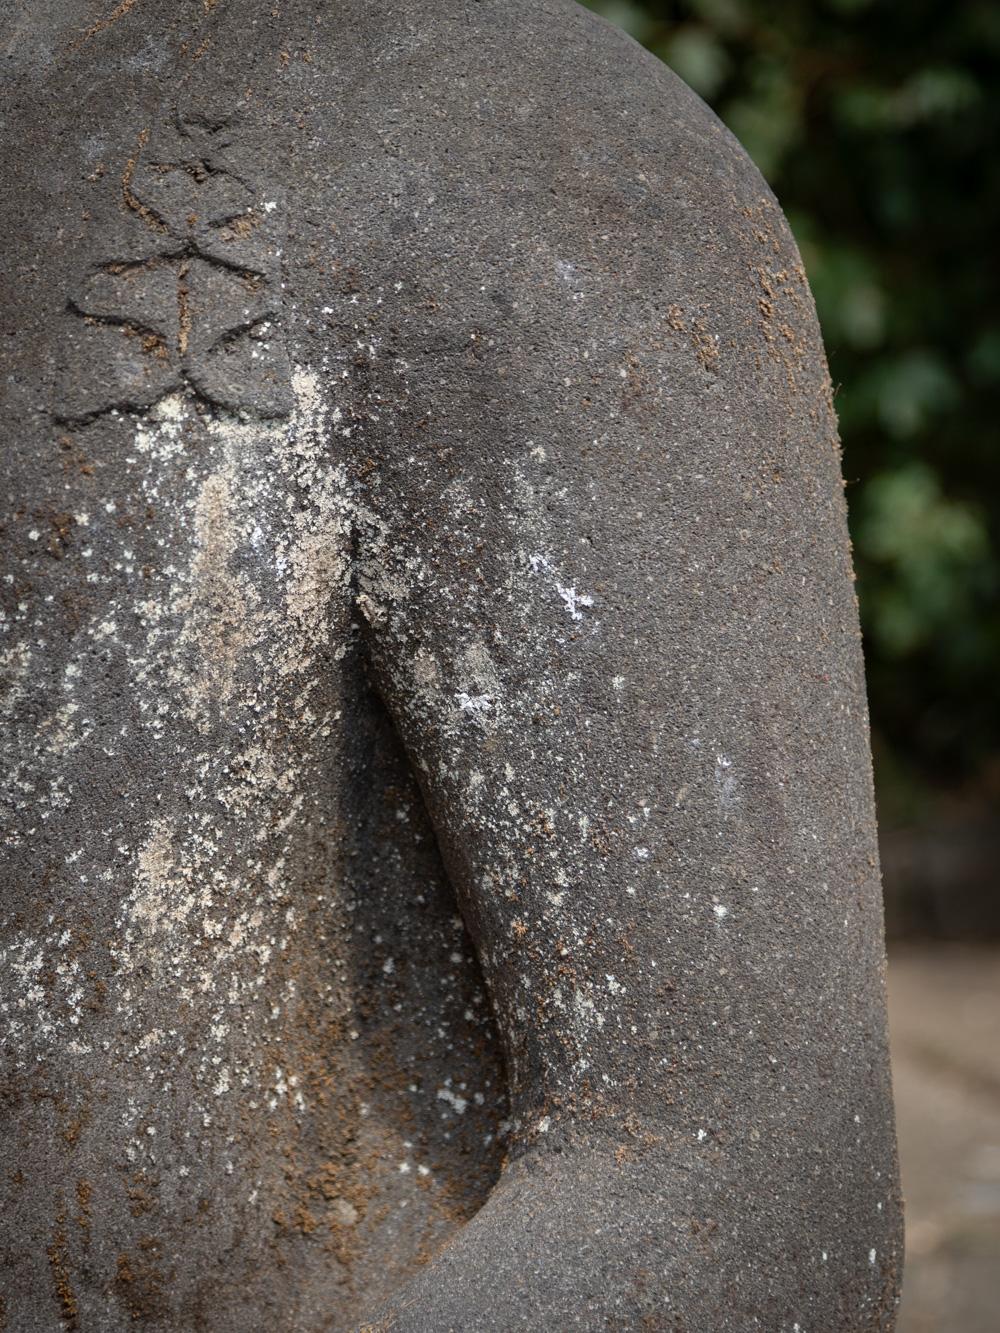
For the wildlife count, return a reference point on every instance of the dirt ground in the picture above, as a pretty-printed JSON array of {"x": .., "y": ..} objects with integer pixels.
[{"x": 944, "y": 1005}]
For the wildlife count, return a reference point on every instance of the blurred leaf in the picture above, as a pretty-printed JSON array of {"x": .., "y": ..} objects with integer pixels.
[
  {"x": 726, "y": 17},
  {"x": 984, "y": 357},
  {"x": 768, "y": 122},
  {"x": 943, "y": 91},
  {"x": 851, "y": 302},
  {"x": 631, "y": 17},
  {"x": 698, "y": 58},
  {"x": 932, "y": 546},
  {"x": 912, "y": 389},
  {"x": 927, "y": 95}
]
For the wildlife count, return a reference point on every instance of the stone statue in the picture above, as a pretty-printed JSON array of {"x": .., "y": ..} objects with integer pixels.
[{"x": 440, "y": 880}]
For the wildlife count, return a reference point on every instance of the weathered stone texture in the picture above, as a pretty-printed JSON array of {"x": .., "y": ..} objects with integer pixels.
[{"x": 422, "y": 495}]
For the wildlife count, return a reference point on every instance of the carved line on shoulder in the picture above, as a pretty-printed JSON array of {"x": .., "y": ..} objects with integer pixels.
[{"x": 193, "y": 299}]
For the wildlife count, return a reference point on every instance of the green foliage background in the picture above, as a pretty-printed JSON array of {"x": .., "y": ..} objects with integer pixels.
[{"x": 876, "y": 125}]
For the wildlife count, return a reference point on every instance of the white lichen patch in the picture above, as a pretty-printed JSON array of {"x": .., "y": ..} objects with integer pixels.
[
  {"x": 457, "y": 1103},
  {"x": 574, "y": 602},
  {"x": 219, "y": 647},
  {"x": 726, "y": 788},
  {"x": 220, "y": 611}
]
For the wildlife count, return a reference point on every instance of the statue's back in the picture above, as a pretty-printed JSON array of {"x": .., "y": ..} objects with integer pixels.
[{"x": 424, "y": 495}]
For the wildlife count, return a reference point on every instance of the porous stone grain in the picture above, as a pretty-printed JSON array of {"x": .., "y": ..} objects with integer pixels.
[{"x": 440, "y": 882}]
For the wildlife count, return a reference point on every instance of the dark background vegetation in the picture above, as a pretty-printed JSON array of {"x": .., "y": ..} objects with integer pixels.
[{"x": 875, "y": 122}]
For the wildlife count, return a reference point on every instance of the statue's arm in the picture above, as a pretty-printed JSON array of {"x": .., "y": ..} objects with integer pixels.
[{"x": 605, "y": 577}]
